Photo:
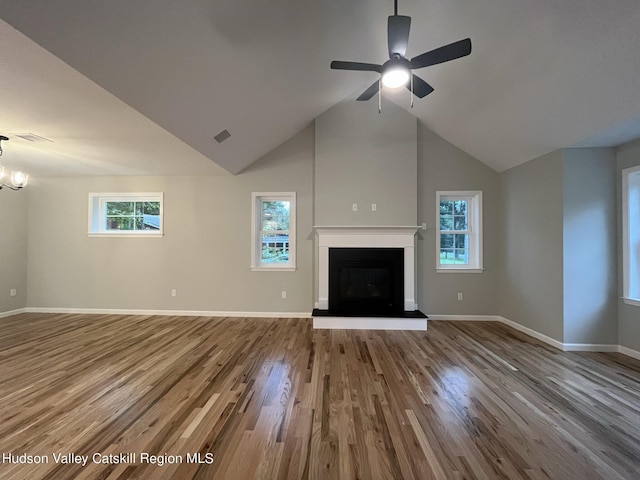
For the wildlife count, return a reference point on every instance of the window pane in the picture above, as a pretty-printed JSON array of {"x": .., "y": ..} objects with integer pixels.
[
  {"x": 460, "y": 222},
  {"x": 461, "y": 257},
  {"x": 151, "y": 208},
  {"x": 275, "y": 215},
  {"x": 446, "y": 256},
  {"x": 446, "y": 241},
  {"x": 632, "y": 247},
  {"x": 446, "y": 207},
  {"x": 460, "y": 207},
  {"x": 273, "y": 231},
  {"x": 275, "y": 248},
  {"x": 460, "y": 230},
  {"x": 461, "y": 241},
  {"x": 125, "y": 213},
  {"x": 151, "y": 222},
  {"x": 119, "y": 223},
  {"x": 119, "y": 208},
  {"x": 446, "y": 222}
]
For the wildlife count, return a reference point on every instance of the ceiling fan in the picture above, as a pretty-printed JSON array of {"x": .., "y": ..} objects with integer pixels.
[{"x": 396, "y": 71}]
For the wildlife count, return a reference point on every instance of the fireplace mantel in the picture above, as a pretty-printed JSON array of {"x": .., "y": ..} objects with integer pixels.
[
  {"x": 366, "y": 237},
  {"x": 365, "y": 230}
]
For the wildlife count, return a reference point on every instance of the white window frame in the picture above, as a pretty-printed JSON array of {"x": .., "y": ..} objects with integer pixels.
[
  {"x": 97, "y": 213},
  {"x": 256, "y": 241},
  {"x": 631, "y": 236},
  {"x": 475, "y": 264}
]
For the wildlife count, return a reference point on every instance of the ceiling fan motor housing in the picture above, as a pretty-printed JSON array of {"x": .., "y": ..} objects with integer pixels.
[{"x": 396, "y": 62}]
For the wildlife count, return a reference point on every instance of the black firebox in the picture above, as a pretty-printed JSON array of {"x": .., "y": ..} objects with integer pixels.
[{"x": 366, "y": 281}]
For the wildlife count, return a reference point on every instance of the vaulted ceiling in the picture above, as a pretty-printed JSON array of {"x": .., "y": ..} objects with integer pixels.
[{"x": 141, "y": 88}]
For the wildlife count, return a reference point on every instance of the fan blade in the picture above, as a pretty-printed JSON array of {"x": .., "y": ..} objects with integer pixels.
[
  {"x": 442, "y": 54},
  {"x": 369, "y": 92},
  {"x": 366, "y": 67},
  {"x": 420, "y": 88},
  {"x": 398, "y": 28}
]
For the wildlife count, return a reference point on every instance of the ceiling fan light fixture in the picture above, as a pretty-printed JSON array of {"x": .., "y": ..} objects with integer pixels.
[
  {"x": 395, "y": 77},
  {"x": 19, "y": 179}
]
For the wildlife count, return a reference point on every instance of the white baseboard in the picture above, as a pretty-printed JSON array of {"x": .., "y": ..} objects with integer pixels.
[
  {"x": 573, "y": 347},
  {"x": 590, "y": 347},
  {"x": 629, "y": 352},
  {"x": 565, "y": 347},
  {"x": 543, "y": 338},
  {"x": 466, "y": 318},
  {"x": 12, "y": 312},
  {"x": 179, "y": 313},
  {"x": 497, "y": 318}
]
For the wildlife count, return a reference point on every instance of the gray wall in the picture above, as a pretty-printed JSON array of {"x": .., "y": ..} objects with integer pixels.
[
  {"x": 589, "y": 253},
  {"x": 204, "y": 255},
  {"x": 539, "y": 270},
  {"x": 365, "y": 157},
  {"x": 558, "y": 243},
  {"x": 628, "y": 315},
  {"x": 531, "y": 279},
  {"x": 442, "y": 166},
  {"x": 13, "y": 249}
]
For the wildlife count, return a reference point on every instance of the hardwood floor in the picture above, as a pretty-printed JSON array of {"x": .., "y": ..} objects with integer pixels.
[{"x": 274, "y": 399}]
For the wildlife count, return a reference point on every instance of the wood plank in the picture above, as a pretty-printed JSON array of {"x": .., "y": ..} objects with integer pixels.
[{"x": 275, "y": 399}]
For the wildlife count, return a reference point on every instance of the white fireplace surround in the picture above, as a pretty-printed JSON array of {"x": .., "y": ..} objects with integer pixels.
[{"x": 367, "y": 237}]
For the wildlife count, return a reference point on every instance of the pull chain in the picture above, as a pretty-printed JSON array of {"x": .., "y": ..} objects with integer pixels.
[{"x": 411, "y": 92}]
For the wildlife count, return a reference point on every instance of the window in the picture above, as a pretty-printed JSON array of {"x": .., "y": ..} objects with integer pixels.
[
  {"x": 631, "y": 235},
  {"x": 273, "y": 227},
  {"x": 459, "y": 233},
  {"x": 125, "y": 214}
]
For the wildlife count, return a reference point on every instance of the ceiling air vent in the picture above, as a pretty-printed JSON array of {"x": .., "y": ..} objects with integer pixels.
[
  {"x": 32, "y": 137},
  {"x": 222, "y": 136}
]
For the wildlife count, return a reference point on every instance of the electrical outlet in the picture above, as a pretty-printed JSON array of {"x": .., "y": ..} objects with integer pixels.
[
  {"x": 374, "y": 207},
  {"x": 173, "y": 292},
  {"x": 354, "y": 207},
  {"x": 284, "y": 294},
  {"x": 13, "y": 292},
  {"x": 460, "y": 296}
]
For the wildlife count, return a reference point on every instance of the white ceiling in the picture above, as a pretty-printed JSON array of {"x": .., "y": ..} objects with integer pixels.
[{"x": 141, "y": 88}]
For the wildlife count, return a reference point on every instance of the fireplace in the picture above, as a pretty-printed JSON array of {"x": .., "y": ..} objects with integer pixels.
[
  {"x": 366, "y": 281},
  {"x": 373, "y": 289}
]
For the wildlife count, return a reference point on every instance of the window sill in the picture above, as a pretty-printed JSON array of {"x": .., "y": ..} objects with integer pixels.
[
  {"x": 631, "y": 301},
  {"x": 459, "y": 270},
  {"x": 128, "y": 235},
  {"x": 273, "y": 269}
]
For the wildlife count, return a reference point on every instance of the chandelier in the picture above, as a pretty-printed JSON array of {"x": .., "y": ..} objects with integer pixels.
[{"x": 18, "y": 179}]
